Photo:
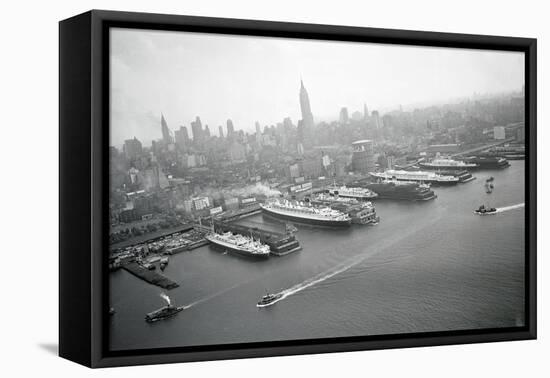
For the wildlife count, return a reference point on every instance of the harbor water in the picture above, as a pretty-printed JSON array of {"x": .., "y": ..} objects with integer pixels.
[{"x": 429, "y": 266}]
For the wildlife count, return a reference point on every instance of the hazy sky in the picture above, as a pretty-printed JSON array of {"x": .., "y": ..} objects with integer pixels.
[{"x": 249, "y": 79}]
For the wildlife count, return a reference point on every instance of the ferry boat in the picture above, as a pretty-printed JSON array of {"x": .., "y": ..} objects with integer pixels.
[
  {"x": 482, "y": 210},
  {"x": 402, "y": 190},
  {"x": 303, "y": 213},
  {"x": 356, "y": 193},
  {"x": 269, "y": 299},
  {"x": 417, "y": 176},
  {"x": 463, "y": 175},
  {"x": 447, "y": 163},
  {"x": 239, "y": 244}
]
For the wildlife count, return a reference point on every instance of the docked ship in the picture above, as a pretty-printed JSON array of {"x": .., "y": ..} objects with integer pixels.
[
  {"x": 446, "y": 163},
  {"x": 416, "y": 176},
  {"x": 304, "y": 213},
  {"x": 164, "y": 312},
  {"x": 402, "y": 190},
  {"x": 462, "y": 175},
  {"x": 361, "y": 194},
  {"x": 239, "y": 244},
  {"x": 269, "y": 299},
  {"x": 360, "y": 212},
  {"x": 485, "y": 162}
]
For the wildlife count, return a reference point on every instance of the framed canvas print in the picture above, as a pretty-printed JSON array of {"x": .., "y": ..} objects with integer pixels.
[{"x": 235, "y": 188}]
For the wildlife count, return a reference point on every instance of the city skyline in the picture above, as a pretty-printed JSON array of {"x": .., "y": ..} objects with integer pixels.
[{"x": 224, "y": 77}]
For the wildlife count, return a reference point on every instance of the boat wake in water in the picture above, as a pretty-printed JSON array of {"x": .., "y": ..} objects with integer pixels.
[
  {"x": 323, "y": 276},
  {"x": 346, "y": 265},
  {"x": 512, "y": 207},
  {"x": 212, "y": 296}
]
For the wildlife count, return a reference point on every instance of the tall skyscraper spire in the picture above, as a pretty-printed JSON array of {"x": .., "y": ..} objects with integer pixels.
[
  {"x": 166, "y": 137},
  {"x": 307, "y": 116}
]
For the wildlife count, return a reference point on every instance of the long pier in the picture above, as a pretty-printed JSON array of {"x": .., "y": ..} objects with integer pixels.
[
  {"x": 150, "y": 276},
  {"x": 484, "y": 147}
]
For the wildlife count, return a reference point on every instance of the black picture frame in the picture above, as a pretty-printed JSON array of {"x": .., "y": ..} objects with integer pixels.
[{"x": 83, "y": 148}]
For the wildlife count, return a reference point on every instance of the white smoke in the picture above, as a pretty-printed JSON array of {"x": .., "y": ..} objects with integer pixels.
[
  {"x": 255, "y": 189},
  {"x": 166, "y": 298}
]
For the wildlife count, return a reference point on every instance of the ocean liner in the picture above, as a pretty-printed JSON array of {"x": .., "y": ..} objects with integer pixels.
[
  {"x": 360, "y": 212},
  {"x": 488, "y": 162},
  {"x": 303, "y": 213},
  {"x": 356, "y": 193},
  {"x": 402, "y": 190},
  {"x": 239, "y": 244},
  {"x": 446, "y": 163},
  {"x": 417, "y": 176}
]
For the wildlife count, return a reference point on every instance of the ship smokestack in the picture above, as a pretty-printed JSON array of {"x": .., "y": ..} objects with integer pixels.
[{"x": 166, "y": 298}]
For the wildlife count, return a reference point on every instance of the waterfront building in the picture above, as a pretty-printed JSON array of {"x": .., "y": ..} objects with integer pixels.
[
  {"x": 443, "y": 148},
  {"x": 390, "y": 161},
  {"x": 294, "y": 170},
  {"x": 220, "y": 131},
  {"x": 362, "y": 159},
  {"x": 206, "y": 132},
  {"x": 499, "y": 132}
]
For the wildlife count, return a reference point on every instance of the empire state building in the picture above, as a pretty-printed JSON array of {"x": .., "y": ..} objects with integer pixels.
[{"x": 307, "y": 116}]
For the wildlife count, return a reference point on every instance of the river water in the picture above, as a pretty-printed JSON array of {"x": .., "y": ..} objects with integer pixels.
[{"x": 432, "y": 266}]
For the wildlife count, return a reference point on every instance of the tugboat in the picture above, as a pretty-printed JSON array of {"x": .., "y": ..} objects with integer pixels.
[
  {"x": 482, "y": 210},
  {"x": 489, "y": 185},
  {"x": 163, "y": 312},
  {"x": 269, "y": 299}
]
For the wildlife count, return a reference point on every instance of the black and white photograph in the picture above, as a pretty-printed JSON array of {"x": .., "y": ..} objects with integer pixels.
[{"x": 267, "y": 189}]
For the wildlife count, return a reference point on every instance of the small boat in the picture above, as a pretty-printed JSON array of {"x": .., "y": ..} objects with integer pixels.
[
  {"x": 269, "y": 299},
  {"x": 482, "y": 210},
  {"x": 164, "y": 312}
]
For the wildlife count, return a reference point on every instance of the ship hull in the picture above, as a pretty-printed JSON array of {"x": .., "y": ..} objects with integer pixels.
[
  {"x": 358, "y": 198},
  {"x": 304, "y": 220},
  {"x": 237, "y": 251},
  {"x": 390, "y": 192},
  {"x": 486, "y": 213},
  {"x": 156, "y": 318},
  {"x": 429, "y": 181},
  {"x": 267, "y": 304},
  {"x": 448, "y": 167}
]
